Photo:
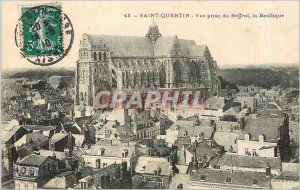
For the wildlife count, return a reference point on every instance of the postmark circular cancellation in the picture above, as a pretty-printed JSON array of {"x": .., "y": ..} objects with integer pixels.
[{"x": 44, "y": 34}]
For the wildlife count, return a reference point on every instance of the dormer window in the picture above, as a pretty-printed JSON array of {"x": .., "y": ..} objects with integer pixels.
[
  {"x": 261, "y": 138},
  {"x": 176, "y": 128},
  {"x": 101, "y": 151},
  {"x": 157, "y": 171},
  {"x": 228, "y": 180},
  {"x": 203, "y": 178},
  {"x": 185, "y": 133},
  {"x": 255, "y": 182},
  {"x": 247, "y": 137},
  {"x": 124, "y": 153}
]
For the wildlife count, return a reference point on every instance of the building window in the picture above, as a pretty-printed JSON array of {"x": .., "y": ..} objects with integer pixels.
[
  {"x": 83, "y": 74},
  {"x": 124, "y": 153},
  {"x": 100, "y": 57},
  {"x": 261, "y": 138},
  {"x": 95, "y": 56},
  {"x": 247, "y": 153},
  {"x": 155, "y": 172},
  {"x": 255, "y": 182},
  {"x": 228, "y": 180},
  {"x": 104, "y": 56},
  {"x": 104, "y": 165},
  {"x": 185, "y": 133},
  {"x": 160, "y": 185},
  {"x": 247, "y": 137},
  {"x": 98, "y": 163},
  {"x": 254, "y": 153},
  {"x": 203, "y": 178}
]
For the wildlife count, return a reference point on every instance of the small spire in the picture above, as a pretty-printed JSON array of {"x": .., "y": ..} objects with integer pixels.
[{"x": 153, "y": 32}]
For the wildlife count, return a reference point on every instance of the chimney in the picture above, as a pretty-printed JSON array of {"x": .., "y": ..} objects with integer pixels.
[
  {"x": 67, "y": 152},
  {"x": 70, "y": 141}
]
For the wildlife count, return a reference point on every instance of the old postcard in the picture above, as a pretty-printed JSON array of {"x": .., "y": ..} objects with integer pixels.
[{"x": 149, "y": 94}]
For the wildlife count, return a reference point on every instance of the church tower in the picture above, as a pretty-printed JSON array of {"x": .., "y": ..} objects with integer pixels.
[{"x": 153, "y": 32}]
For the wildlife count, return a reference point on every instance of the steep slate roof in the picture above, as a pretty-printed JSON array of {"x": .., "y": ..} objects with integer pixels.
[
  {"x": 198, "y": 50},
  {"x": 185, "y": 46},
  {"x": 82, "y": 120},
  {"x": 8, "y": 131},
  {"x": 202, "y": 149},
  {"x": 152, "y": 163},
  {"x": 5, "y": 117},
  {"x": 225, "y": 125},
  {"x": 247, "y": 161},
  {"x": 163, "y": 46},
  {"x": 58, "y": 136},
  {"x": 125, "y": 132},
  {"x": 262, "y": 126},
  {"x": 125, "y": 46},
  {"x": 39, "y": 127},
  {"x": 215, "y": 102},
  {"x": 61, "y": 181},
  {"x": 59, "y": 155},
  {"x": 110, "y": 151},
  {"x": 226, "y": 139},
  {"x": 237, "y": 177},
  {"x": 129, "y": 46},
  {"x": 191, "y": 129},
  {"x": 33, "y": 160}
]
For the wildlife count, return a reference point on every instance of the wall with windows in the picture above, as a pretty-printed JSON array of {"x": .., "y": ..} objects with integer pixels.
[
  {"x": 256, "y": 148},
  {"x": 25, "y": 185},
  {"x": 102, "y": 161}
]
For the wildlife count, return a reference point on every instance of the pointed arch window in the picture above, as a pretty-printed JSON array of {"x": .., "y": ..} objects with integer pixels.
[
  {"x": 81, "y": 96},
  {"x": 99, "y": 56},
  {"x": 95, "y": 56},
  {"x": 104, "y": 56}
]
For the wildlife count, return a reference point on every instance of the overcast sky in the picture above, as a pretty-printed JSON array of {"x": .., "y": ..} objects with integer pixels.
[{"x": 231, "y": 41}]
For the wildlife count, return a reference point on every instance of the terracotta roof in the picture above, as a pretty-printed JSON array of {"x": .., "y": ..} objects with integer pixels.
[
  {"x": 262, "y": 126},
  {"x": 5, "y": 116},
  {"x": 226, "y": 125},
  {"x": 39, "y": 127},
  {"x": 192, "y": 130},
  {"x": 247, "y": 161},
  {"x": 83, "y": 120},
  {"x": 125, "y": 132},
  {"x": 36, "y": 137},
  {"x": 110, "y": 151},
  {"x": 8, "y": 131},
  {"x": 202, "y": 150},
  {"x": 215, "y": 102},
  {"x": 147, "y": 165},
  {"x": 58, "y": 136},
  {"x": 59, "y": 155},
  {"x": 237, "y": 178},
  {"x": 61, "y": 181},
  {"x": 33, "y": 160},
  {"x": 226, "y": 139}
]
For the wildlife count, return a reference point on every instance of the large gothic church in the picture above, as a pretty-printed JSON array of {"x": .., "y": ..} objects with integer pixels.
[{"x": 153, "y": 61}]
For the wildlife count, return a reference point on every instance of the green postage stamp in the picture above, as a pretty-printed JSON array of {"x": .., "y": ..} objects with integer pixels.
[{"x": 44, "y": 34}]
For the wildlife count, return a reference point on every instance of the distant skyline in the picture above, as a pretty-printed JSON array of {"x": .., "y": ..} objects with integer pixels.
[{"x": 244, "y": 42}]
